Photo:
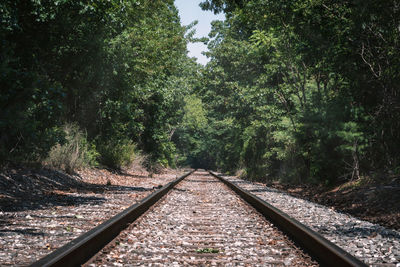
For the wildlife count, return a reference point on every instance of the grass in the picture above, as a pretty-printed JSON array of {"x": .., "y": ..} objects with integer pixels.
[{"x": 207, "y": 250}]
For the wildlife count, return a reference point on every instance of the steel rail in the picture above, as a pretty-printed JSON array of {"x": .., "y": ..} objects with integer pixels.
[
  {"x": 84, "y": 247},
  {"x": 324, "y": 251}
]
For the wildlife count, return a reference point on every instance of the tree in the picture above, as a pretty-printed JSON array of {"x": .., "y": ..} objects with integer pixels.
[
  {"x": 109, "y": 66},
  {"x": 311, "y": 80}
]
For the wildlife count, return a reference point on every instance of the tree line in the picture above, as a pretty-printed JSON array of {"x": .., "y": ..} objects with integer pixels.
[
  {"x": 98, "y": 79},
  {"x": 303, "y": 91}
]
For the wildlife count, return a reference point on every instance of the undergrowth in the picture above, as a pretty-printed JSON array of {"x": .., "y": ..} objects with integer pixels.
[
  {"x": 117, "y": 154},
  {"x": 74, "y": 152}
]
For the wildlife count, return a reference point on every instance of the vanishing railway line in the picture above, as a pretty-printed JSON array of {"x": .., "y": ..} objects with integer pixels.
[{"x": 199, "y": 222}]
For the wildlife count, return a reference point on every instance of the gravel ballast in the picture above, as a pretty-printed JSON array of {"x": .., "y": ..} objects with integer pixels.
[
  {"x": 42, "y": 210},
  {"x": 371, "y": 243},
  {"x": 202, "y": 223}
]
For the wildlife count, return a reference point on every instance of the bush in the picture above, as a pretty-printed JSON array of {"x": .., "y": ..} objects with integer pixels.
[
  {"x": 74, "y": 153},
  {"x": 117, "y": 154}
]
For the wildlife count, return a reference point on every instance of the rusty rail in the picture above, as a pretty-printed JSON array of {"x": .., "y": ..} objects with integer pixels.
[
  {"x": 324, "y": 251},
  {"x": 84, "y": 247}
]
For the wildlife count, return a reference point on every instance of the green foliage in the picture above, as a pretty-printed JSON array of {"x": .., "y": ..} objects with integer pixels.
[
  {"x": 190, "y": 132},
  {"x": 295, "y": 90},
  {"x": 194, "y": 117},
  {"x": 117, "y": 154},
  {"x": 115, "y": 68},
  {"x": 207, "y": 250},
  {"x": 254, "y": 153},
  {"x": 308, "y": 88},
  {"x": 73, "y": 152},
  {"x": 28, "y": 122}
]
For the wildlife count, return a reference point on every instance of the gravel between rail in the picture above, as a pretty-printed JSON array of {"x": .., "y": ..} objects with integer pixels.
[
  {"x": 372, "y": 243},
  {"x": 201, "y": 223},
  {"x": 42, "y": 210}
]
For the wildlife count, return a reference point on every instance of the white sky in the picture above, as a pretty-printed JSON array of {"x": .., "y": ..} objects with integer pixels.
[{"x": 190, "y": 11}]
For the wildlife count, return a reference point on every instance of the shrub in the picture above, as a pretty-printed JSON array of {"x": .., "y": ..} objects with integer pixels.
[
  {"x": 74, "y": 152},
  {"x": 139, "y": 162},
  {"x": 117, "y": 154}
]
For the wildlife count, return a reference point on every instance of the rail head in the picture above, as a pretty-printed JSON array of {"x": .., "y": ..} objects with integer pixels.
[
  {"x": 84, "y": 247},
  {"x": 324, "y": 251}
]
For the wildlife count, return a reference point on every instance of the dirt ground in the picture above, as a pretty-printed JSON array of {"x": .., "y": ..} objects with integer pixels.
[
  {"x": 42, "y": 209},
  {"x": 377, "y": 202},
  {"x": 23, "y": 188}
]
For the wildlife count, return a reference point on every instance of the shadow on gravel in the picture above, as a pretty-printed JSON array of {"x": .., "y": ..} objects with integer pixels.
[
  {"x": 27, "y": 231},
  {"x": 24, "y": 189},
  {"x": 4, "y": 221},
  {"x": 241, "y": 182},
  {"x": 202, "y": 181},
  {"x": 260, "y": 190},
  {"x": 179, "y": 190},
  {"x": 202, "y": 173},
  {"x": 131, "y": 175},
  {"x": 356, "y": 231}
]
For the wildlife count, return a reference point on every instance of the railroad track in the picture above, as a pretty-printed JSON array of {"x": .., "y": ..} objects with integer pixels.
[{"x": 200, "y": 222}]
